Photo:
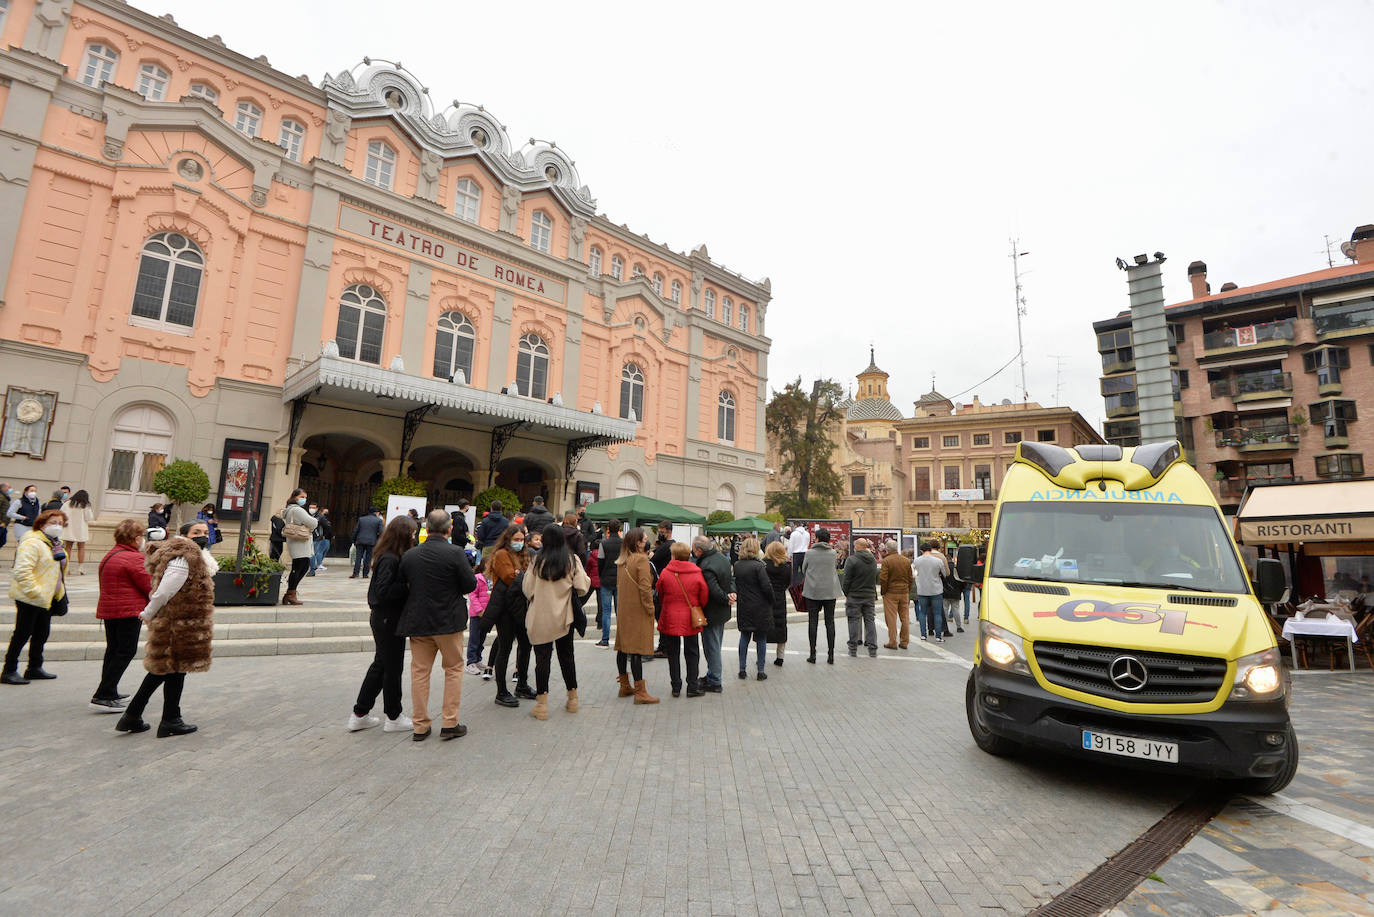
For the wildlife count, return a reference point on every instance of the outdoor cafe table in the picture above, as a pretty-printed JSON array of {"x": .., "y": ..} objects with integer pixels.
[{"x": 1322, "y": 627}]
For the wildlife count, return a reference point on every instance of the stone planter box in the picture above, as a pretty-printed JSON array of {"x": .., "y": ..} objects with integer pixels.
[{"x": 226, "y": 593}]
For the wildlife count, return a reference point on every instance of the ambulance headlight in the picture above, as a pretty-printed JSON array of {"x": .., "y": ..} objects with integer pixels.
[
  {"x": 1259, "y": 676},
  {"x": 1002, "y": 649}
]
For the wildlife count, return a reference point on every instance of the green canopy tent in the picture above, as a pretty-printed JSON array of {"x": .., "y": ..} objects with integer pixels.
[
  {"x": 638, "y": 508},
  {"x": 749, "y": 525}
]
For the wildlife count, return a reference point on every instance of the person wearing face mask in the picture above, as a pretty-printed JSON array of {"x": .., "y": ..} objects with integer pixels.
[
  {"x": 507, "y": 561},
  {"x": 179, "y": 615},
  {"x": 297, "y": 526},
  {"x": 324, "y": 535},
  {"x": 125, "y": 589},
  {"x": 36, "y": 586},
  {"x": 23, "y": 513},
  {"x": 207, "y": 515}
]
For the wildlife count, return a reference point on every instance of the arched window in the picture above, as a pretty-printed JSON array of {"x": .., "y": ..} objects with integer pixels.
[
  {"x": 469, "y": 200},
  {"x": 658, "y": 284},
  {"x": 168, "y": 285},
  {"x": 292, "y": 139},
  {"x": 627, "y": 485},
  {"x": 532, "y": 367},
  {"x": 380, "y": 168},
  {"x": 541, "y": 231},
  {"x": 725, "y": 417},
  {"x": 677, "y": 291},
  {"x": 454, "y": 343},
  {"x": 248, "y": 118},
  {"x": 743, "y": 317},
  {"x": 638, "y": 271},
  {"x": 709, "y": 303},
  {"x": 632, "y": 392},
  {"x": 205, "y": 91},
  {"x": 97, "y": 68},
  {"x": 140, "y": 441},
  {"x": 727, "y": 309},
  {"x": 362, "y": 324},
  {"x": 617, "y": 267},
  {"x": 152, "y": 81},
  {"x": 725, "y": 498},
  {"x": 594, "y": 261}
]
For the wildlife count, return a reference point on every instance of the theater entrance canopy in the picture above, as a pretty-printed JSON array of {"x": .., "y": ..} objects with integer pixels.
[{"x": 333, "y": 382}]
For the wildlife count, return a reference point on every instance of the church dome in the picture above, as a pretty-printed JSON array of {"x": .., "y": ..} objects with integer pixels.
[{"x": 873, "y": 409}]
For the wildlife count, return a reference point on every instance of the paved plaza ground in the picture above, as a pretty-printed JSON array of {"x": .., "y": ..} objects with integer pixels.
[{"x": 852, "y": 788}]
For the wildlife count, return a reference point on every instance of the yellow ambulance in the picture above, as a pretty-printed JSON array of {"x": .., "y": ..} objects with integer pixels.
[{"x": 1118, "y": 622}]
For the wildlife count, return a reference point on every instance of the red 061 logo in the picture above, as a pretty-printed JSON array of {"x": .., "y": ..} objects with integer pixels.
[{"x": 1173, "y": 620}]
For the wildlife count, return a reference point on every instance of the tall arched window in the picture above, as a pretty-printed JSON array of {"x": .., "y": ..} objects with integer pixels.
[
  {"x": 98, "y": 66},
  {"x": 743, "y": 317},
  {"x": 152, "y": 81},
  {"x": 725, "y": 417},
  {"x": 248, "y": 118},
  {"x": 627, "y": 485},
  {"x": 292, "y": 139},
  {"x": 594, "y": 261},
  {"x": 727, "y": 309},
  {"x": 658, "y": 284},
  {"x": 454, "y": 343},
  {"x": 617, "y": 267},
  {"x": 362, "y": 324},
  {"x": 676, "y": 295},
  {"x": 541, "y": 231},
  {"x": 380, "y": 167},
  {"x": 469, "y": 200},
  {"x": 532, "y": 367},
  {"x": 168, "y": 285},
  {"x": 708, "y": 302},
  {"x": 205, "y": 91},
  {"x": 632, "y": 392}
]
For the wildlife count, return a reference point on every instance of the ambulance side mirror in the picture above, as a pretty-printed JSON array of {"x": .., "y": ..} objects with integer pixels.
[
  {"x": 1269, "y": 580},
  {"x": 966, "y": 565}
]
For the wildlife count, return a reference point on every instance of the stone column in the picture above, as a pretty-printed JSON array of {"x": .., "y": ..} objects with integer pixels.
[
  {"x": 1150, "y": 345},
  {"x": 415, "y": 319},
  {"x": 309, "y": 328},
  {"x": 761, "y": 406},
  {"x": 698, "y": 341},
  {"x": 499, "y": 370},
  {"x": 572, "y": 349}
]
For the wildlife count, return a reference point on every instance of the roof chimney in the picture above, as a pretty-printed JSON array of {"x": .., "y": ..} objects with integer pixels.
[
  {"x": 1197, "y": 276},
  {"x": 1228, "y": 286},
  {"x": 1361, "y": 244}
]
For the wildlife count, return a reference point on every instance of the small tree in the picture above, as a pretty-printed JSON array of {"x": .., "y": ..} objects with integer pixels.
[
  {"x": 773, "y": 517},
  {"x": 510, "y": 501},
  {"x": 183, "y": 481},
  {"x": 720, "y": 517},
  {"x": 401, "y": 486}
]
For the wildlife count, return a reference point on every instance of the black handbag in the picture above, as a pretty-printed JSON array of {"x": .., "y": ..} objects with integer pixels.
[{"x": 59, "y": 607}]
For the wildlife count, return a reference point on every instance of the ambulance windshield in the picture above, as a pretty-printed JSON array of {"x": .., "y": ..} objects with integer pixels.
[{"x": 1124, "y": 544}]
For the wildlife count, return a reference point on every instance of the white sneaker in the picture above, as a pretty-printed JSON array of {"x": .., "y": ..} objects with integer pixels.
[
  {"x": 402, "y": 723},
  {"x": 356, "y": 722},
  {"x": 472, "y": 668},
  {"x": 321, "y": 569}
]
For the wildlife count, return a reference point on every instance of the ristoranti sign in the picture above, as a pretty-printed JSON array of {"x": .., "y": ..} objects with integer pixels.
[
  {"x": 404, "y": 238},
  {"x": 1314, "y": 528}
]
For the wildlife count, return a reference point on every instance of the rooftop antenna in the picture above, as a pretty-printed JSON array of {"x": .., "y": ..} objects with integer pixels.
[
  {"x": 1016, "y": 256},
  {"x": 1330, "y": 262},
  {"x": 1059, "y": 359}
]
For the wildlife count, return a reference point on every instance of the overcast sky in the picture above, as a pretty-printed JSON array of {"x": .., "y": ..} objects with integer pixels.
[{"x": 874, "y": 159}]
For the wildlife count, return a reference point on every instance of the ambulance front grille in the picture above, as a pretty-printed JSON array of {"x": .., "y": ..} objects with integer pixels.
[{"x": 1170, "y": 678}]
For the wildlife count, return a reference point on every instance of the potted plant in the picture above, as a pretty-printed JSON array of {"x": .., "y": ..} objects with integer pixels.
[
  {"x": 1220, "y": 475},
  {"x": 256, "y": 581}
]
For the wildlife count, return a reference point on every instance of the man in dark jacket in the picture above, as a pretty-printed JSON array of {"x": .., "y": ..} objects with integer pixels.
[
  {"x": 460, "y": 525},
  {"x": 663, "y": 554},
  {"x": 490, "y": 528},
  {"x": 366, "y": 534},
  {"x": 610, "y": 552},
  {"x": 437, "y": 576},
  {"x": 538, "y": 518},
  {"x": 576, "y": 543},
  {"x": 860, "y": 586},
  {"x": 586, "y": 525},
  {"x": 720, "y": 587}
]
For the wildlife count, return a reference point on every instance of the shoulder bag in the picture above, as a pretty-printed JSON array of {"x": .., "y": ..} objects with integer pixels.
[
  {"x": 698, "y": 616},
  {"x": 294, "y": 531}
]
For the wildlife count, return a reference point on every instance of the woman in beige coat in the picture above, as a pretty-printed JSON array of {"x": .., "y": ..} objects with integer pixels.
[
  {"x": 552, "y": 584},
  {"x": 634, "y": 601},
  {"x": 298, "y": 550},
  {"x": 77, "y": 531}
]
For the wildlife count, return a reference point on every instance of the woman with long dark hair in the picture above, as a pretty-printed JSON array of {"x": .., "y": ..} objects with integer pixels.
[
  {"x": 634, "y": 635},
  {"x": 386, "y": 596},
  {"x": 77, "y": 531},
  {"x": 552, "y": 585},
  {"x": 509, "y": 558},
  {"x": 299, "y": 548}
]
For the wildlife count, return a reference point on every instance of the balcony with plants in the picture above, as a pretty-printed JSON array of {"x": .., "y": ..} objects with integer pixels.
[
  {"x": 1344, "y": 319},
  {"x": 1255, "y": 385},
  {"x": 1267, "y": 435},
  {"x": 1234, "y": 337}
]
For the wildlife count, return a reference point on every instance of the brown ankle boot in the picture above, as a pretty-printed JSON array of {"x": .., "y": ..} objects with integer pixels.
[
  {"x": 642, "y": 695},
  {"x": 540, "y": 710},
  {"x": 571, "y": 705},
  {"x": 625, "y": 689},
  {"x": 290, "y": 598}
]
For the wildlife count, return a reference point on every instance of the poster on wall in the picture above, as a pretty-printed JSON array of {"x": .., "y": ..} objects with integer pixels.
[
  {"x": 234, "y": 478},
  {"x": 880, "y": 537},
  {"x": 588, "y": 492},
  {"x": 397, "y": 505},
  {"x": 27, "y": 422}
]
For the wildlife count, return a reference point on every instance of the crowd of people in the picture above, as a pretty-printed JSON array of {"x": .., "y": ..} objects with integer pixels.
[{"x": 528, "y": 582}]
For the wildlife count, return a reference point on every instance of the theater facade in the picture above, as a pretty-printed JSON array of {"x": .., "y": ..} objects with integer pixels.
[{"x": 204, "y": 257}]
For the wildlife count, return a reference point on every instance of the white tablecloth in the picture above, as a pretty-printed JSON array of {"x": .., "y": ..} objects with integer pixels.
[{"x": 1319, "y": 627}]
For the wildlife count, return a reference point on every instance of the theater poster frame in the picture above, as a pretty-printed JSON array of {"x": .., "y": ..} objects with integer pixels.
[{"x": 229, "y": 499}]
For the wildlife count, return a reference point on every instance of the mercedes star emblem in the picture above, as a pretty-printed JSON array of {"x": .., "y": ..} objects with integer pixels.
[{"x": 1128, "y": 673}]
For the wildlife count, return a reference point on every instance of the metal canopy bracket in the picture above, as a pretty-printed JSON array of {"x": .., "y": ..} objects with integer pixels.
[
  {"x": 297, "y": 415},
  {"x": 578, "y": 448},
  {"x": 412, "y": 422},
  {"x": 500, "y": 438}
]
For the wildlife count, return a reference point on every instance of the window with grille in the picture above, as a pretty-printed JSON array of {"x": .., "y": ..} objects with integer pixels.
[
  {"x": 857, "y": 484},
  {"x": 455, "y": 340},
  {"x": 532, "y": 367},
  {"x": 98, "y": 66},
  {"x": 247, "y": 118},
  {"x": 923, "y": 520},
  {"x": 1010, "y": 438},
  {"x": 632, "y": 391},
  {"x": 152, "y": 82},
  {"x": 985, "y": 520},
  {"x": 362, "y": 324},
  {"x": 951, "y": 477},
  {"x": 168, "y": 286},
  {"x": 468, "y": 201},
  {"x": 950, "y": 442},
  {"x": 982, "y": 439},
  {"x": 725, "y": 417}
]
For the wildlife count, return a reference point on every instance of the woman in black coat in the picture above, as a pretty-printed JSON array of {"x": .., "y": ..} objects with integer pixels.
[
  {"x": 754, "y": 604},
  {"x": 778, "y": 566},
  {"x": 386, "y": 596},
  {"x": 506, "y": 611}
]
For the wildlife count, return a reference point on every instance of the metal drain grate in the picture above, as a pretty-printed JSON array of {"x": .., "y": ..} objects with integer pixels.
[{"x": 1109, "y": 884}]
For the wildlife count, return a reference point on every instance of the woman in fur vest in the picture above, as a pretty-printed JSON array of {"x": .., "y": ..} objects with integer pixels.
[{"x": 180, "y": 626}]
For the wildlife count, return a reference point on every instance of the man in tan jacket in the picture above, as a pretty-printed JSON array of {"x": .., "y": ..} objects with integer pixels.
[{"x": 895, "y": 581}]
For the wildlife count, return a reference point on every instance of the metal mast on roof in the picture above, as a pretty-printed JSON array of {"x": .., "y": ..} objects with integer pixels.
[{"x": 1016, "y": 256}]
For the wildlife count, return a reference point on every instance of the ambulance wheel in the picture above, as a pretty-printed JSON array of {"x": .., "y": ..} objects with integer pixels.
[
  {"x": 983, "y": 737},
  {"x": 1266, "y": 786}
]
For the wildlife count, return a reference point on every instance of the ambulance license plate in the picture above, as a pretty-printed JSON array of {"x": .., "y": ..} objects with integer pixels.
[{"x": 1130, "y": 747}]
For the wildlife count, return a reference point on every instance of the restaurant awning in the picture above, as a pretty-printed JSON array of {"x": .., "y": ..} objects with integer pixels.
[{"x": 1321, "y": 511}]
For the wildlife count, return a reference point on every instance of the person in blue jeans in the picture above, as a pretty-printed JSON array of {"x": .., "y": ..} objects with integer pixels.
[
  {"x": 606, "y": 566},
  {"x": 720, "y": 589},
  {"x": 930, "y": 592},
  {"x": 324, "y": 532}
]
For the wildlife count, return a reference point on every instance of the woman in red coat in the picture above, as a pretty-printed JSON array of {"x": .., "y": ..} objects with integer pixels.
[
  {"x": 124, "y": 590},
  {"x": 680, "y": 586}
]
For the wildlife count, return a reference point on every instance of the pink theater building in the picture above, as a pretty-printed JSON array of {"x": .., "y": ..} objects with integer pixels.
[{"x": 204, "y": 257}]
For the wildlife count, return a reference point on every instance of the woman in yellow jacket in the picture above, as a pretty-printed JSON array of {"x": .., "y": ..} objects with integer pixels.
[{"x": 36, "y": 586}]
